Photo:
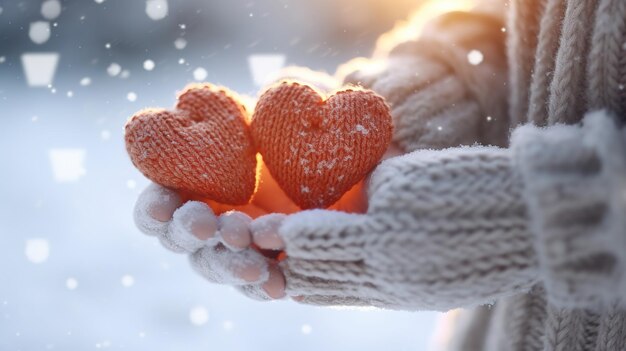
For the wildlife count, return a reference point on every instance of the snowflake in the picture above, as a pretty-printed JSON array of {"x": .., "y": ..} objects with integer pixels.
[
  {"x": 67, "y": 164},
  {"x": 37, "y": 250},
  {"x": 148, "y": 65},
  {"x": 39, "y": 32},
  {"x": 264, "y": 67},
  {"x": 200, "y": 74},
  {"x": 198, "y": 315},
  {"x": 475, "y": 57}
]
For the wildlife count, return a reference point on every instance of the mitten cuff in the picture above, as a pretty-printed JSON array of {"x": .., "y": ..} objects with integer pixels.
[{"x": 575, "y": 188}]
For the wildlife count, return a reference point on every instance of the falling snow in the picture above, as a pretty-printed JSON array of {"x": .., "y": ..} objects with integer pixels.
[
  {"x": 114, "y": 69},
  {"x": 148, "y": 65},
  {"x": 198, "y": 315},
  {"x": 37, "y": 250},
  {"x": 86, "y": 113},
  {"x": 127, "y": 281},
  {"x": 51, "y": 9},
  {"x": 265, "y": 67},
  {"x": 200, "y": 74},
  {"x": 39, "y": 32},
  {"x": 228, "y": 325},
  {"x": 105, "y": 135},
  {"x": 71, "y": 283},
  {"x": 306, "y": 329},
  {"x": 67, "y": 164},
  {"x": 180, "y": 43},
  {"x": 475, "y": 57},
  {"x": 156, "y": 9}
]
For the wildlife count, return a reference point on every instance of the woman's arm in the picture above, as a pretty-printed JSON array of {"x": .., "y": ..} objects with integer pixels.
[
  {"x": 448, "y": 87},
  {"x": 465, "y": 226}
]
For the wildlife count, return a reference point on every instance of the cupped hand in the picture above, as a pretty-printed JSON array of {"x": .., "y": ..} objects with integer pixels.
[{"x": 234, "y": 245}]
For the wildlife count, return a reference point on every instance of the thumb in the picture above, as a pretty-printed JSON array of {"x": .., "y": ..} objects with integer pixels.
[{"x": 325, "y": 235}]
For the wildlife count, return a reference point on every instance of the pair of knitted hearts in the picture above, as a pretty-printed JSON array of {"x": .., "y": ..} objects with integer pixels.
[{"x": 315, "y": 148}]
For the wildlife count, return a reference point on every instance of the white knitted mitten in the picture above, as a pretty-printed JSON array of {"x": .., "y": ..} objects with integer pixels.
[
  {"x": 221, "y": 254},
  {"x": 444, "y": 229},
  {"x": 450, "y": 228}
]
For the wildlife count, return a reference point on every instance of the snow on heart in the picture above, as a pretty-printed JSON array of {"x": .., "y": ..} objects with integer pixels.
[{"x": 316, "y": 148}]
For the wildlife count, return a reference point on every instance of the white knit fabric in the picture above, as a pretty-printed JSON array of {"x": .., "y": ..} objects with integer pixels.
[
  {"x": 468, "y": 226},
  {"x": 435, "y": 236},
  {"x": 575, "y": 182},
  {"x": 539, "y": 229},
  {"x": 438, "y": 98}
]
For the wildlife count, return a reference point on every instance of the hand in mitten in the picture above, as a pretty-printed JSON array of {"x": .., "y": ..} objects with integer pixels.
[
  {"x": 443, "y": 229},
  {"x": 221, "y": 247}
]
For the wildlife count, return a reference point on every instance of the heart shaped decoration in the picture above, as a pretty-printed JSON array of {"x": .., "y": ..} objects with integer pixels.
[
  {"x": 318, "y": 149},
  {"x": 202, "y": 147}
]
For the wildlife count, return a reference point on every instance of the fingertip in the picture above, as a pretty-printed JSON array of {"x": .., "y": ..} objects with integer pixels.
[
  {"x": 250, "y": 274},
  {"x": 193, "y": 226},
  {"x": 274, "y": 287},
  {"x": 234, "y": 227},
  {"x": 203, "y": 225},
  {"x": 265, "y": 231},
  {"x": 154, "y": 209},
  {"x": 163, "y": 205}
]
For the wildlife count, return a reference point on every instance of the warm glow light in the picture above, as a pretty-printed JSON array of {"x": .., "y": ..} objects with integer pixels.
[
  {"x": 411, "y": 28},
  {"x": 446, "y": 323}
]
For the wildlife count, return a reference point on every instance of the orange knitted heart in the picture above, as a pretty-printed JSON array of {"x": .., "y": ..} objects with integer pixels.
[
  {"x": 203, "y": 146},
  {"x": 318, "y": 149}
]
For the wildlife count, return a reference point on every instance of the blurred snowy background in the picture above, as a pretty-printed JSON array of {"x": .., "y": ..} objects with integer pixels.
[{"x": 75, "y": 274}]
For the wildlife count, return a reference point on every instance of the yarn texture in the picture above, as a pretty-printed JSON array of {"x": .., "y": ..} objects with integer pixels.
[
  {"x": 510, "y": 200},
  {"x": 536, "y": 231},
  {"x": 317, "y": 148},
  {"x": 202, "y": 147}
]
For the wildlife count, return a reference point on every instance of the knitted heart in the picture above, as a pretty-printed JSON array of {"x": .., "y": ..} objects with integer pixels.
[
  {"x": 203, "y": 146},
  {"x": 318, "y": 149}
]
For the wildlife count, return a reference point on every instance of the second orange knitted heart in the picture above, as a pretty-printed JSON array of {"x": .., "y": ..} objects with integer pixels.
[{"x": 316, "y": 148}]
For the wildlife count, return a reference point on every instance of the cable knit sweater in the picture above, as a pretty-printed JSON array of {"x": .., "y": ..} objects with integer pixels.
[{"x": 537, "y": 227}]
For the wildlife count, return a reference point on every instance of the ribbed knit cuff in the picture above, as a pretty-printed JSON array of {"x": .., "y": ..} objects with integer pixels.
[{"x": 575, "y": 181}]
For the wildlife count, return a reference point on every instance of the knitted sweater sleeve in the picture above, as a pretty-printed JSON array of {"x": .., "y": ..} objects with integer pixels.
[
  {"x": 575, "y": 190},
  {"x": 447, "y": 88},
  {"x": 444, "y": 229},
  {"x": 465, "y": 226}
]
